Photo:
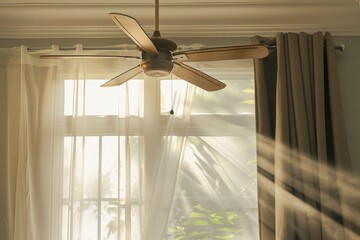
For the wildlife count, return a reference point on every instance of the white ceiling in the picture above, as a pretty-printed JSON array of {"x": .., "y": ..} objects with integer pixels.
[{"x": 178, "y": 18}]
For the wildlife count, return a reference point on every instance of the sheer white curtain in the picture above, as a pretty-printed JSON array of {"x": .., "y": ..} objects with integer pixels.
[
  {"x": 80, "y": 161},
  {"x": 29, "y": 127},
  {"x": 83, "y": 162}
]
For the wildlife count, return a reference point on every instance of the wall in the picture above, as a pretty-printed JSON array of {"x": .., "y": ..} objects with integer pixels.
[
  {"x": 348, "y": 70},
  {"x": 349, "y": 75}
]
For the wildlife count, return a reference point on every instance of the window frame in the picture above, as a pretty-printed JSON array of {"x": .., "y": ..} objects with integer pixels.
[{"x": 152, "y": 117}]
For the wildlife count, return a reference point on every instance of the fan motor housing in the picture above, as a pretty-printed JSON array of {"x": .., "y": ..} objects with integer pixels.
[{"x": 159, "y": 65}]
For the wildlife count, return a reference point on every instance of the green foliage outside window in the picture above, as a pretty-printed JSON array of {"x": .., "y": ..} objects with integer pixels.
[{"x": 206, "y": 224}]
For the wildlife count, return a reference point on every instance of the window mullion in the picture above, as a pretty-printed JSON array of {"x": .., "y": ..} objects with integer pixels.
[
  {"x": 99, "y": 202},
  {"x": 151, "y": 140},
  {"x": 118, "y": 188}
]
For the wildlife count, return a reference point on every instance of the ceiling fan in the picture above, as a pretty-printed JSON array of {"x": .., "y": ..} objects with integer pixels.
[{"x": 159, "y": 56}]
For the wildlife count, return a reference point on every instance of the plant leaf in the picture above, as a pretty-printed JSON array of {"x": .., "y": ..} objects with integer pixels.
[
  {"x": 195, "y": 222},
  {"x": 195, "y": 234},
  {"x": 180, "y": 238},
  {"x": 249, "y": 90},
  {"x": 200, "y": 208},
  {"x": 250, "y": 102},
  {"x": 227, "y": 237},
  {"x": 229, "y": 230},
  {"x": 172, "y": 230},
  {"x": 198, "y": 215}
]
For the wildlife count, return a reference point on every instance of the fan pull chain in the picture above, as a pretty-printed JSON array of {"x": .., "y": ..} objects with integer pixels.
[{"x": 172, "y": 99}]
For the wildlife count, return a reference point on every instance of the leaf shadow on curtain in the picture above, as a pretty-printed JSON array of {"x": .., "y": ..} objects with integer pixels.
[{"x": 305, "y": 185}]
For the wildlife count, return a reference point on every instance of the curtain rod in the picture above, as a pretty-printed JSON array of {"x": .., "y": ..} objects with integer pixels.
[
  {"x": 341, "y": 47},
  {"x": 271, "y": 44},
  {"x": 34, "y": 49}
]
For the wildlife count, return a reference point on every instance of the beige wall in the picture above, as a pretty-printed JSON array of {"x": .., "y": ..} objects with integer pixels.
[{"x": 349, "y": 75}]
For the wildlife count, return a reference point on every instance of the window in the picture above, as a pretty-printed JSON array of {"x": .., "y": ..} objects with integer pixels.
[
  {"x": 102, "y": 165},
  {"x": 216, "y": 194},
  {"x": 98, "y": 204}
]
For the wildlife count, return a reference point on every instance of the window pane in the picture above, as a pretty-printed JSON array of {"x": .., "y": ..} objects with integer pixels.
[
  {"x": 65, "y": 222},
  {"x": 86, "y": 220},
  {"x": 169, "y": 91},
  {"x": 110, "y": 221},
  {"x": 114, "y": 168},
  {"x": 110, "y": 167},
  {"x": 216, "y": 192},
  {"x": 119, "y": 160},
  {"x": 74, "y": 162},
  {"x": 136, "y": 160},
  {"x": 87, "y": 97},
  {"x": 236, "y": 98},
  {"x": 80, "y": 167},
  {"x": 135, "y": 222},
  {"x": 113, "y": 222},
  {"x": 66, "y": 166},
  {"x": 90, "y": 167}
]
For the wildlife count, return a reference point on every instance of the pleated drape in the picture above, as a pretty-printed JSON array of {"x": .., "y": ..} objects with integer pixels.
[{"x": 305, "y": 185}]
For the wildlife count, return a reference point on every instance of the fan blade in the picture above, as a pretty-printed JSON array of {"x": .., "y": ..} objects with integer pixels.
[
  {"x": 222, "y": 53},
  {"x": 70, "y": 56},
  {"x": 197, "y": 77},
  {"x": 123, "y": 77},
  {"x": 133, "y": 29}
]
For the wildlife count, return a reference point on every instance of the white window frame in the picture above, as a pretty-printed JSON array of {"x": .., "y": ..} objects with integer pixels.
[{"x": 152, "y": 135}]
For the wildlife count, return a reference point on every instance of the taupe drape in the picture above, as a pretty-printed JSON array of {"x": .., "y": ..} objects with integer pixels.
[{"x": 305, "y": 186}]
